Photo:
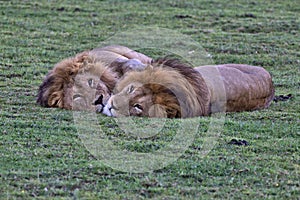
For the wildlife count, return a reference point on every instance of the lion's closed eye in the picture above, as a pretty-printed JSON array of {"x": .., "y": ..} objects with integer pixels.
[
  {"x": 130, "y": 89},
  {"x": 91, "y": 82},
  {"x": 76, "y": 96},
  {"x": 138, "y": 107}
]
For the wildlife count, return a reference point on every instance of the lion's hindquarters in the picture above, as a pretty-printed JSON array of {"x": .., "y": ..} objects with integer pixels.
[{"x": 246, "y": 87}]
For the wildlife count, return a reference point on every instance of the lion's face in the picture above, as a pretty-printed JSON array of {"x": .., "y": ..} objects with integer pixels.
[
  {"x": 143, "y": 100},
  {"x": 88, "y": 93},
  {"x": 80, "y": 83},
  {"x": 92, "y": 89},
  {"x": 133, "y": 100}
]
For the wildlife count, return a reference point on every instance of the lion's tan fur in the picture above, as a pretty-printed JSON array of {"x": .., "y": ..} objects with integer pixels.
[{"x": 240, "y": 87}]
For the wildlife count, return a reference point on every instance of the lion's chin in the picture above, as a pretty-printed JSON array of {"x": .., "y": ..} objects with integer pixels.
[{"x": 107, "y": 111}]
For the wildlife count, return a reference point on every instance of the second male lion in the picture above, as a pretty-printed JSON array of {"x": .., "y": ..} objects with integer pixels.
[{"x": 170, "y": 88}]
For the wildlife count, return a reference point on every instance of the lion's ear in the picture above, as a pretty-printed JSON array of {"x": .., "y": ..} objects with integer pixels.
[
  {"x": 56, "y": 99},
  {"x": 158, "y": 111},
  {"x": 173, "y": 113}
]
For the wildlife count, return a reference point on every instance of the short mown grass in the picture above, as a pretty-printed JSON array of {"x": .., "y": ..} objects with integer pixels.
[{"x": 42, "y": 155}]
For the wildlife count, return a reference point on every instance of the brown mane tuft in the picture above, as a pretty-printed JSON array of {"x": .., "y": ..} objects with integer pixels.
[{"x": 197, "y": 82}]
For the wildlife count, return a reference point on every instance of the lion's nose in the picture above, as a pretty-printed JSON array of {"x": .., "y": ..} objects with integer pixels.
[
  {"x": 107, "y": 109},
  {"x": 99, "y": 100}
]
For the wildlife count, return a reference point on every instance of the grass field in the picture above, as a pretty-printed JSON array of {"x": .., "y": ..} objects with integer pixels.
[{"x": 42, "y": 156}]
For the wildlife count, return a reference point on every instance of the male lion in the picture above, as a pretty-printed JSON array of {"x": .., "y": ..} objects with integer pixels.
[
  {"x": 88, "y": 78},
  {"x": 169, "y": 88}
]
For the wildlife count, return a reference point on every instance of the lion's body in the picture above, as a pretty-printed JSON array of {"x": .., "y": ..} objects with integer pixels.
[
  {"x": 171, "y": 89},
  {"x": 240, "y": 87}
]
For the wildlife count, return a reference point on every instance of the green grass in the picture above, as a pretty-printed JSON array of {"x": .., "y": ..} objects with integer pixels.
[{"x": 42, "y": 156}]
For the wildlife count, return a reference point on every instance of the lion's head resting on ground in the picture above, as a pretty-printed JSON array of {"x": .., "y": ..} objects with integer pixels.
[
  {"x": 166, "y": 88},
  {"x": 77, "y": 80},
  {"x": 88, "y": 77}
]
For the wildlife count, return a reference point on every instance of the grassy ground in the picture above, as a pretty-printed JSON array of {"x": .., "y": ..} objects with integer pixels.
[{"x": 41, "y": 155}]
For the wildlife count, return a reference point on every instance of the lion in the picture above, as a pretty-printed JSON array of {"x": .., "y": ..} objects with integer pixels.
[
  {"x": 88, "y": 78},
  {"x": 169, "y": 88}
]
